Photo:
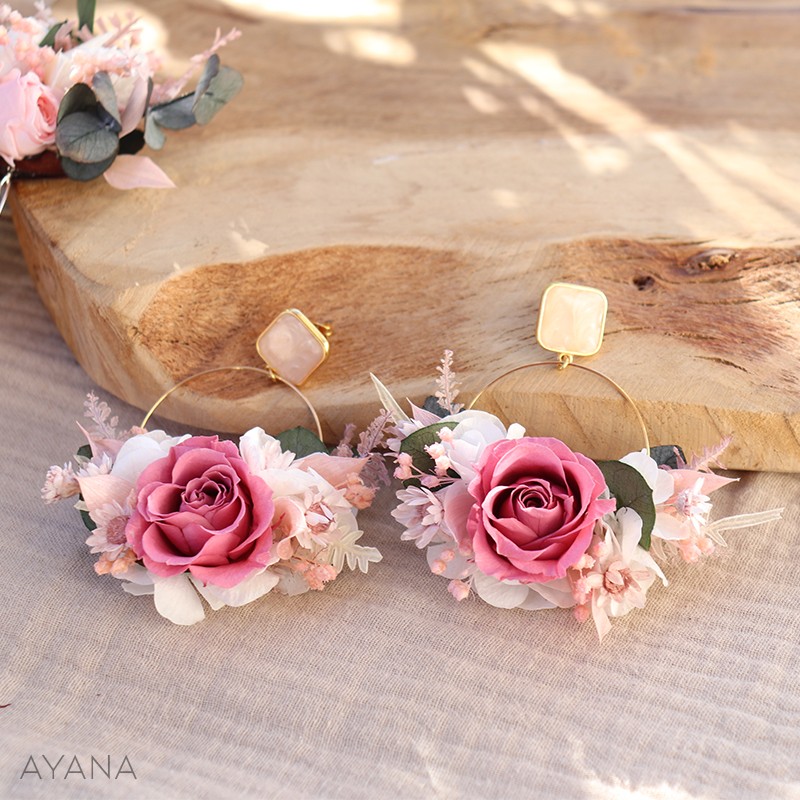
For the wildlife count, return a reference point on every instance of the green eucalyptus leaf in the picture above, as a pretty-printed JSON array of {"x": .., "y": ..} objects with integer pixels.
[
  {"x": 224, "y": 86},
  {"x": 131, "y": 143},
  {"x": 302, "y": 442},
  {"x": 415, "y": 445},
  {"x": 153, "y": 135},
  {"x": 107, "y": 97},
  {"x": 210, "y": 71},
  {"x": 84, "y": 137},
  {"x": 432, "y": 404},
  {"x": 85, "y": 451},
  {"x": 87, "y": 520},
  {"x": 79, "y": 98},
  {"x": 175, "y": 115},
  {"x": 631, "y": 490},
  {"x": 666, "y": 455},
  {"x": 85, "y": 172},
  {"x": 50, "y": 37},
  {"x": 86, "y": 10}
]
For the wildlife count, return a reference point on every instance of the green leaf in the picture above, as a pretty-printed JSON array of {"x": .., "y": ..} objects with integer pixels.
[
  {"x": 85, "y": 172},
  {"x": 84, "y": 137},
  {"x": 302, "y": 442},
  {"x": 85, "y": 451},
  {"x": 175, "y": 115},
  {"x": 210, "y": 71},
  {"x": 224, "y": 86},
  {"x": 432, "y": 404},
  {"x": 664, "y": 455},
  {"x": 632, "y": 491},
  {"x": 416, "y": 443},
  {"x": 86, "y": 14},
  {"x": 153, "y": 135},
  {"x": 87, "y": 520},
  {"x": 50, "y": 37},
  {"x": 104, "y": 91},
  {"x": 131, "y": 143},
  {"x": 79, "y": 98}
]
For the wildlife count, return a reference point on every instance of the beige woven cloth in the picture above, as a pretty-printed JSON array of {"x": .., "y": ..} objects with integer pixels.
[{"x": 381, "y": 686}]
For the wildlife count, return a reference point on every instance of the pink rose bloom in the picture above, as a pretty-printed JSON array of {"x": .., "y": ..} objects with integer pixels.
[
  {"x": 535, "y": 507},
  {"x": 201, "y": 509},
  {"x": 28, "y": 111}
]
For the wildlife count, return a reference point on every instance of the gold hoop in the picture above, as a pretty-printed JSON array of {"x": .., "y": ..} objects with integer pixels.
[
  {"x": 271, "y": 374},
  {"x": 564, "y": 361}
]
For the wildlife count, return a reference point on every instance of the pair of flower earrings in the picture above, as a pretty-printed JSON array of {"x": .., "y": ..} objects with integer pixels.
[{"x": 521, "y": 521}]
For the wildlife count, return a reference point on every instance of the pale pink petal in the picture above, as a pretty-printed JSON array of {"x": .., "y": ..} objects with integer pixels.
[
  {"x": 457, "y": 502},
  {"x": 333, "y": 469},
  {"x": 424, "y": 416},
  {"x": 98, "y": 490},
  {"x": 687, "y": 478},
  {"x": 288, "y": 518},
  {"x": 630, "y": 532},
  {"x": 137, "y": 172},
  {"x": 248, "y": 590},
  {"x": 557, "y": 592},
  {"x": 670, "y": 527},
  {"x": 497, "y": 593},
  {"x": 100, "y": 445},
  {"x": 600, "y": 617},
  {"x": 134, "y": 111},
  {"x": 535, "y": 601},
  {"x": 664, "y": 488}
]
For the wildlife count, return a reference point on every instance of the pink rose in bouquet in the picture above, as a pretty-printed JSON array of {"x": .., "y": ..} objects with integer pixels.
[
  {"x": 536, "y": 505},
  {"x": 28, "y": 111},
  {"x": 201, "y": 510}
]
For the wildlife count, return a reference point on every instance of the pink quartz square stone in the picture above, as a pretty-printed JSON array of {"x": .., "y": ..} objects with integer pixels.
[
  {"x": 572, "y": 319},
  {"x": 292, "y": 346}
]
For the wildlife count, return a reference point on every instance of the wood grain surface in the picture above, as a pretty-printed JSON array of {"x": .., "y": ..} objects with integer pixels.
[{"x": 415, "y": 174}]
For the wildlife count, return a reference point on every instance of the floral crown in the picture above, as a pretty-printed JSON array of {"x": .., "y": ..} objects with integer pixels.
[
  {"x": 525, "y": 522},
  {"x": 188, "y": 517},
  {"x": 79, "y": 97}
]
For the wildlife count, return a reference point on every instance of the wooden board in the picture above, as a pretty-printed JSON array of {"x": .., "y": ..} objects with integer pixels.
[{"x": 415, "y": 173}]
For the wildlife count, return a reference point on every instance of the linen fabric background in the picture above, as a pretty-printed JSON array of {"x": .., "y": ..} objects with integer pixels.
[{"x": 382, "y": 685}]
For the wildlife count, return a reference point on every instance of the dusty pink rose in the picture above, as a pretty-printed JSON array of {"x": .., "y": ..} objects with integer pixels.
[
  {"x": 201, "y": 509},
  {"x": 28, "y": 111},
  {"x": 535, "y": 507}
]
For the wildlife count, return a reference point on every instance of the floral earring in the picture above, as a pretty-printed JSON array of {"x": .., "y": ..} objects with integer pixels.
[
  {"x": 525, "y": 522},
  {"x": 191, "y": 518}
]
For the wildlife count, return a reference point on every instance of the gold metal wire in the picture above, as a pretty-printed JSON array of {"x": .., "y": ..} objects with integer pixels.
[
  {"x": 271, "y": 374},
  {"x": 564, "y": 362}
]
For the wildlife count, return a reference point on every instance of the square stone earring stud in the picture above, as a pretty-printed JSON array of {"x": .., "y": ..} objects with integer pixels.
[{"x": 293, "y": 346}]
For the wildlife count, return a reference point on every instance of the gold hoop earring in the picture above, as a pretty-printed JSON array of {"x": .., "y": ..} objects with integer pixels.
[
  {"x": 292, "y": 347},
  {"x": 583, "y": 304},
  {"x": 268, "y": 372}
]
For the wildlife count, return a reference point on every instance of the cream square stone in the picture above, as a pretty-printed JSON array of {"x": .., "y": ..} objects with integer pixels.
[
  {"x": 292, "y": 346},
  {"x": 572, "y": 319}
]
